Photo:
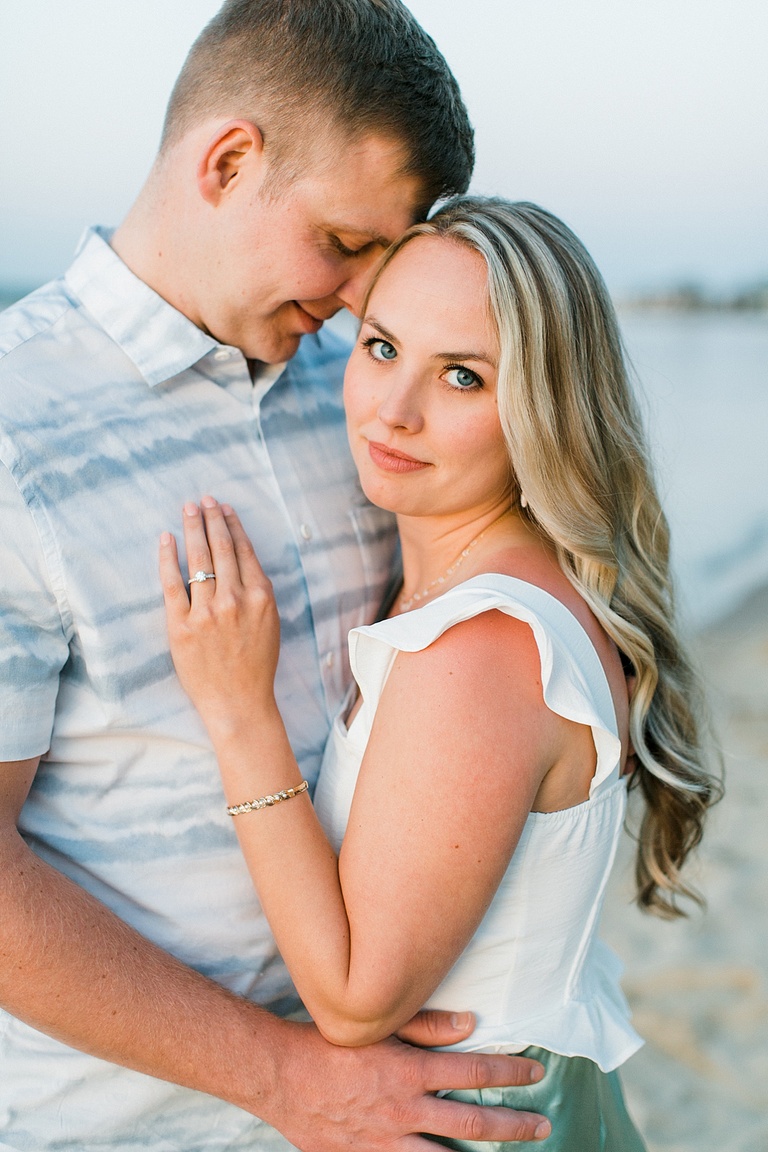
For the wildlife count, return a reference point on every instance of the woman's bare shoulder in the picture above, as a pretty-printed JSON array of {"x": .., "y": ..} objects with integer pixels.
[
  {"x": 539, "y": 567},
  {"x": 473, "y": 661}
]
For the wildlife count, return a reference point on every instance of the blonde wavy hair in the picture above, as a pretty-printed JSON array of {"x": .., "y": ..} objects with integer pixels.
[{"x": 578, "y": 453}]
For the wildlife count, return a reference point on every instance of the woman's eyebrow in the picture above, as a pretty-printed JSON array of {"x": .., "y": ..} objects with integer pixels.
[
  {"x": 374, "y": 323},
  {"x": 484, "y": 356}
]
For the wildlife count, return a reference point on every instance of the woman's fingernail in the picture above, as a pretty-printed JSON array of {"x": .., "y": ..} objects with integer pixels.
[
  {"x": 537, "y": 1073},
  {"x": 226, "y": 509},
  {"x": 208, "y": 502},
  {"x": 461, "y": 1021},
  {"x": 544, "y": 1129},
  {"x": 165, "y": 539},
  {"x": 190, "y": 509}
]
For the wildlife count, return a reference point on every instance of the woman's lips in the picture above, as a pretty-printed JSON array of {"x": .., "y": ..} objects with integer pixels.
[{"x": 390, "y": 460}]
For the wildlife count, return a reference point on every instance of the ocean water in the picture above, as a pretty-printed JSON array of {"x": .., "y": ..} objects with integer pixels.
[{"x": 703, "y": 380}]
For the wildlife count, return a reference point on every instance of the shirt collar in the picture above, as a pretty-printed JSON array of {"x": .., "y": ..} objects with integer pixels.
[{"x": 159, "y": 339}]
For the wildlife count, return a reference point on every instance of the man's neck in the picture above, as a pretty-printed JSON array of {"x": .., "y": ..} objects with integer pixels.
[{"x": 150, "y": 244}]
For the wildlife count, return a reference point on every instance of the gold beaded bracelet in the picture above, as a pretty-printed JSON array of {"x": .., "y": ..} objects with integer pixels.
[{"x": 267, "y": 801}]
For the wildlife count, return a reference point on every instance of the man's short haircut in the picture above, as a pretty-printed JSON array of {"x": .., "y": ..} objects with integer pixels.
[{"x": 299, "y": 68}]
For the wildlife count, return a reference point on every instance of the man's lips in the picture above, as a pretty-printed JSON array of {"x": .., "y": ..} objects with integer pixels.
[
  {"x": 390, "y": 460},
  {"x": 309, "y": 323}
]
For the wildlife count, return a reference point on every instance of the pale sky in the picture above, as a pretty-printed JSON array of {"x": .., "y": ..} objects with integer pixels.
[{"x": 644, "y": 123}]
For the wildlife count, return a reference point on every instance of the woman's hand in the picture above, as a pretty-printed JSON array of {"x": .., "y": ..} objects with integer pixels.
[{"x": 224, "y": 632}]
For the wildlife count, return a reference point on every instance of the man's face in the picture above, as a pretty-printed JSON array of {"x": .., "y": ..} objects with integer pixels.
[{"x": 285, "y": 263}]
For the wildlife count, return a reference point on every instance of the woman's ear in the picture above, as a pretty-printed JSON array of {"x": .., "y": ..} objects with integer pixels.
[{"x": 234, "y": 155}]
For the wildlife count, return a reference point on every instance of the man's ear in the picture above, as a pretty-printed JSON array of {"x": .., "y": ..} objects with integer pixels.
[{"x": 237, "y": 147}]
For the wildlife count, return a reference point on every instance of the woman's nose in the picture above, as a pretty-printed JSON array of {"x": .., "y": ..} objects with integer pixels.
[{"x": 401, "y": 407}]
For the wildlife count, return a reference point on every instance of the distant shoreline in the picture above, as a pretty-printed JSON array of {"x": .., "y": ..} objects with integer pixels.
[
  {"x": 689, "y": 298},
  {"x": 681, "y": 299}
]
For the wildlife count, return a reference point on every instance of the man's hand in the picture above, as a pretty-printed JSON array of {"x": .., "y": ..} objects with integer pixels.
[{"x": 381, "y": 1097}]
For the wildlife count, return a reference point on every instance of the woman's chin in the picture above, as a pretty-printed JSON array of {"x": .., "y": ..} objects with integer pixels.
[
  {"x": 383, "y": 500},
  {"x": 379, "y": 492}
]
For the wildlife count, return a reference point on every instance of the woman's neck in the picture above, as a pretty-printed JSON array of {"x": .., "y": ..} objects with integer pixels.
[{"x": 439, "y": 552}]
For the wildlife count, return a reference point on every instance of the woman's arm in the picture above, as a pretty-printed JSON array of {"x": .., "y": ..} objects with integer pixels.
[{"x": 461, "y": 742}]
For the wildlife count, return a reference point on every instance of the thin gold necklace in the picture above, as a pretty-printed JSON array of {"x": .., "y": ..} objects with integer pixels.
[{"x": 405, "y": 605}]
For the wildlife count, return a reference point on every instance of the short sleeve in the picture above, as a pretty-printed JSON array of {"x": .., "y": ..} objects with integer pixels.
[
  {"x": 33, "y": 644},
  {"x": 574, "y": 683}
]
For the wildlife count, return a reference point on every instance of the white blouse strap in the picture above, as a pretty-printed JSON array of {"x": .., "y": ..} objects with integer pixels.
[{"x": 574, "y": 682}]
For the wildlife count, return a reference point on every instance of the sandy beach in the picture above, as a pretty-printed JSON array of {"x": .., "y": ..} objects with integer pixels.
[{"x": 699, "y": 988}]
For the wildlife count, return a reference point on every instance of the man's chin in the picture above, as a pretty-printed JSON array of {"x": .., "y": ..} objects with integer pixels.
[
  {"x": 275, "y": 350},
  {"x": 277, "y": 342}
]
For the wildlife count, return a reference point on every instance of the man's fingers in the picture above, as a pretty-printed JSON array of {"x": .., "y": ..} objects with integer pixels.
[
  {"x": 451, "y": 1118},
  {"x": 457, "y": 1070},
  {"x": 470, "y": 1070},
  {"x": 174, "y": 588}
]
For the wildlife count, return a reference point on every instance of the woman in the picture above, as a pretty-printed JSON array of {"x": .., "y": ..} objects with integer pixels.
[{"x": 478, "y": 780}]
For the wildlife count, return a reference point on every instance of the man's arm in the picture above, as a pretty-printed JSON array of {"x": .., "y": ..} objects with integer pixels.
[{"x": 71, "y": 968}]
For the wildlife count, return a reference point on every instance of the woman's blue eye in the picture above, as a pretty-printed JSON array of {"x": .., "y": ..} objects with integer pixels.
[
  {"x": 382, "y": 350},
  {"x": 462, "y": 378}
]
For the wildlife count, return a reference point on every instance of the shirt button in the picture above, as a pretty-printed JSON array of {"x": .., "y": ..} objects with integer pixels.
[
  {"x": 306, "y": 532},
  {"x": 222, "y": 354},
  {"x": 329, "y": 659}
]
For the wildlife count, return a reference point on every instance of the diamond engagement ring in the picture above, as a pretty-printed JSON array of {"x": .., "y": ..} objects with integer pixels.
[{"x": 200, "y": 577}]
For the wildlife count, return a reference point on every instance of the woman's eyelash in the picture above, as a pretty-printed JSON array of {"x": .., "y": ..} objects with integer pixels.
[
  {"x": 369, "y": 341},
  {"x": 478, "y": 380}
]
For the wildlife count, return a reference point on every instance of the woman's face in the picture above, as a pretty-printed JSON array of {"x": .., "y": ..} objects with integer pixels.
[{"x": 420, "y": 387}]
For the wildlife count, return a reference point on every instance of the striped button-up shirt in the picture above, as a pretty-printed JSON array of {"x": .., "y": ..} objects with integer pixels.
[{"x": 114, "y": 410}]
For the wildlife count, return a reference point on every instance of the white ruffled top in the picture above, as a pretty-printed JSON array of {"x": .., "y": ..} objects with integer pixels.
[{"x": 534, "y": 973}]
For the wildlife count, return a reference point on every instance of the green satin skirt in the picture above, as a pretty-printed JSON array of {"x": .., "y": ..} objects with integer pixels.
[{"x": 584, "y": 1105}]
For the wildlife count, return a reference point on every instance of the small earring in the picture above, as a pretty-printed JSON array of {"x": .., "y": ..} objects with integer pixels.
[{"x": 523, "y": 500}]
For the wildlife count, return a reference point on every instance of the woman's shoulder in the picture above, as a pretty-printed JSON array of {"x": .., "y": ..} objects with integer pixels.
[
  {"x": 536, "y": 577},
  {"x": 521, "y": 588},
  {"x": 520, "y": 620},
  {"x": 492, "y": 619},
  {"x": 592, "y": 655},
  {"x": 508, "y": 651},
  {"x": 480, "y": 624}
]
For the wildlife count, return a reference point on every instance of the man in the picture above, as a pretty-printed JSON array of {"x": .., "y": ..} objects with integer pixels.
[{"x": 301, "y": 138}]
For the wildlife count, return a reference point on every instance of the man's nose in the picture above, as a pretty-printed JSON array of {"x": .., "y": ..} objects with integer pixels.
[{"x": 352, "y": 292}]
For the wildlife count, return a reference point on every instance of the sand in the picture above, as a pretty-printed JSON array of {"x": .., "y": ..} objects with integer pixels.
[{"x": 699, "y": 988}]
